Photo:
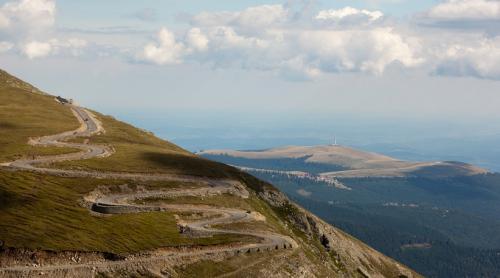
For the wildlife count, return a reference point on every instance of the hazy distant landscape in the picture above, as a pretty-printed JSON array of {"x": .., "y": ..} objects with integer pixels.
[{"x": 474, "y": 143}]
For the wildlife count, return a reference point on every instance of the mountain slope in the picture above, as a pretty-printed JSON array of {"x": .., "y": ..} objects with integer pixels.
[{"x": 111, "y": 199}]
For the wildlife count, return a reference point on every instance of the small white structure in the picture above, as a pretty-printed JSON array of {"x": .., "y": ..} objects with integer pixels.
[{"x": 334, "y": 141}]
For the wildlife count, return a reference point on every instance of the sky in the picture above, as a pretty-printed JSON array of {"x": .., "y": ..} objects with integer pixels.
[{"x": 251, "y": 74}]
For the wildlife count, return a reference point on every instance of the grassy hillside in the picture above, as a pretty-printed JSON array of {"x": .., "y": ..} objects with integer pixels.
[
  {"x": 42, "y": 212},
  {"x": 141, "y": 151},
  {"x": 24, "y": 114}
]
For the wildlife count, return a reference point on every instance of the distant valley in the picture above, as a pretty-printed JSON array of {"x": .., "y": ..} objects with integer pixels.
[{"x": 442, "y": 218}]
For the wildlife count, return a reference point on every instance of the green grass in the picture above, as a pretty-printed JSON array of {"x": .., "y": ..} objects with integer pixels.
[
  {"x": 140, "y": 151},
  {"x": 223, "y": 200},
  {"x": 24, "y": 115},
  {"x": 205, "y": 268},
  {"x": 43, "y": 212}
]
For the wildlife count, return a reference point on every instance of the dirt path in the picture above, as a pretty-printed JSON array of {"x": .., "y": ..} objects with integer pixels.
[{"x": 124, "y": 203}]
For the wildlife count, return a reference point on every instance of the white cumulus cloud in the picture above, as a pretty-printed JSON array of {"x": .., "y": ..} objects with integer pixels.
[
  {"x": 349, "y": 15},
  {"x": 251, "y": 18},
  {"x": 28, "y": 27},
  {"x": 481, "y": 59},
  {"x": 196, "y": 39},
  {"x": 36, "y": 49},
  {"x": 167, "y": 50},
  {"x": 467, "y": 42},
  {"x": 466, "y": 9},
  {"x": 279, "y": 44},
  {"x": 357, "y": 50},
  {"x": 39, "y": 49},
  {"x": 27, "y": 16}
]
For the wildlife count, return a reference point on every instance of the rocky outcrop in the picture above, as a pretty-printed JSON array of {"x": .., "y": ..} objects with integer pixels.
[{"x": 349, "y": 253}]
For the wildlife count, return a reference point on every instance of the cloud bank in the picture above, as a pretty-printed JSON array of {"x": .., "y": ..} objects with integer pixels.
[
  {"x": 466, "y": 9},
  {"x": 470, "y": 44},
  {"x": 346, "y": 40},
  {"x": 267, "y": 38},
  {"x": 480, "y": 59},
  {"x": 28, "y": 27},
  {"x": 350, "y": 15},
  {"x": 453, "y": 38},
  {"x": 27, "y": 16}
]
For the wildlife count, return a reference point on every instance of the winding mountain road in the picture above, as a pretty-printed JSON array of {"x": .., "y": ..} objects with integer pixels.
[
  {"x": 127, "y": 202},
  {"x": 89, "y": 126}
]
